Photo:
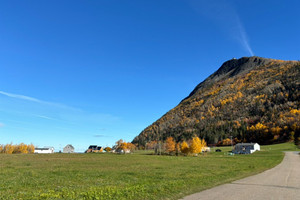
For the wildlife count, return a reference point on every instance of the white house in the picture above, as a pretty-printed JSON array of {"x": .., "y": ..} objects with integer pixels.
[
  {"x": 246, "y": 148},
  {"x": 68, "y": 149},
  {"x": 205, "y": 149},
  {"x": 44, "y": 150}
]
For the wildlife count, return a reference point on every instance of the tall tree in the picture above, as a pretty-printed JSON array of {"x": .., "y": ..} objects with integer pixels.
[
  {"x": 170, "y": 145},
  {"x": 184, "y": 148},
  {"x": 195, "y": 146}
]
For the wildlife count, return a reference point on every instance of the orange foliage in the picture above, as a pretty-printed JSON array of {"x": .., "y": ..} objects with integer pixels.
[
  {"x": 258, "y": 127},
  {"x": 107, "y": 149},
  {"x": 295, "y": 111},
  {"x": 276, "y": 130},
  {"x": 170, "y": 145},
  {"x": 131, "y": 146},
  {"x": 226, "y": 142},
  {"x": 184, "y": 147},
  {"x": 123, "y": 146}
]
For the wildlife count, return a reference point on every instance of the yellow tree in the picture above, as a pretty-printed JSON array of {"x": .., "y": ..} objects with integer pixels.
[
  {"x": 123, "y": 146},
  {"x": 21, "y": 148},
  {"x": 1, "y": 148},
  {"x": 170, "y": 145},
  {"x": 107, "y": 149},
  {"x": 203, "y": 143},
  {"x": 9, "y": 148},
  {"x": 195, "y": 146},
  {"x": 184, "y": 147},
  {"x": 226, "y": 142},
  {"x": 30, "y": 148},
  {"x": 131, "y": 146}
]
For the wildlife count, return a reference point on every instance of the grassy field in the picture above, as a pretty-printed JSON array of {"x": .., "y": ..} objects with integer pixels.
[{"x": 132, "y": 176}]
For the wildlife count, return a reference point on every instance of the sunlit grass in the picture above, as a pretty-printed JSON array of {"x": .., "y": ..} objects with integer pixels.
[{"x": 131, "y": 176}]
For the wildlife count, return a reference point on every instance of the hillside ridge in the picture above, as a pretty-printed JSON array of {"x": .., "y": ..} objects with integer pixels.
[
  {"x": 234, "y": 67},
  {"x": 253, "y": 99}
]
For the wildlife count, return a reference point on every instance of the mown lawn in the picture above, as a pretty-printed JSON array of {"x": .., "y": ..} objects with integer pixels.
[{"x": 132, "y": 176}]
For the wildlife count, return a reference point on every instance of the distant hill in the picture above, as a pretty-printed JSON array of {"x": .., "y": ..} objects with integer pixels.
[{"x": 253, "y": 99}]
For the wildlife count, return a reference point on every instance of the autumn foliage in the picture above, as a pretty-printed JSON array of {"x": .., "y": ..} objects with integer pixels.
[
  {"x": 122, "y": 146},
  {"x": 193, "y": 146},
  {"x": 170, "y": 145},
  {"x": 107, "y": 149},
  {"x": 252, "y": 99},
  {"x": 184, "y": 148},
  {"x": 17, "y": 148},
  {"x": 197, "y": 145}
]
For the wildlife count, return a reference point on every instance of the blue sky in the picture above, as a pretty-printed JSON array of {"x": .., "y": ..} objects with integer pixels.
[{"x": 93, "y": 72}]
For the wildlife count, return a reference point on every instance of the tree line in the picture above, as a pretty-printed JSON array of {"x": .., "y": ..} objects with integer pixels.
[
  {"x": 171, "y": 147},
  {"x": 17, "y": 148}
]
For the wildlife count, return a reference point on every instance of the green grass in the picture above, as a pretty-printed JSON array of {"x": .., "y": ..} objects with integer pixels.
[{"x": 132, "y": 176}]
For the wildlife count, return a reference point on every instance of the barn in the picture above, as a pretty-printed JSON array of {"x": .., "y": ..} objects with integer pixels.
[
  {"x": 68, "y": 149},
  {"x": 246, "y": 148}
]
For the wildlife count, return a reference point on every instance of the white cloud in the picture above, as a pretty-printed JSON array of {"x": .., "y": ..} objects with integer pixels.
[
  {"x": 44, "y": 117},
  {"x": 18, "y": 96},
  {"x": 32, "y": 99},
  {"x": 224, "y": 14},
  {"x": 99, "y": 135}
]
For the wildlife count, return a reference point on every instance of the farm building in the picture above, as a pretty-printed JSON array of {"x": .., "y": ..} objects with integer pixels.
[
  {"x": 246, "y": 148},
  {"x": 44, "y": 150},
  {"x": 121, "y": 151},
  {"x": 205, "y": 149},
  {"x": 68, "y": 149},
  {"x": 94, "y": 149}
]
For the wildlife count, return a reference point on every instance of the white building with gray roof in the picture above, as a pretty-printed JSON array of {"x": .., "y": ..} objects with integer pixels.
[
  {"x": 246, "y": 148},
  {"x": 68, "y": 149}
]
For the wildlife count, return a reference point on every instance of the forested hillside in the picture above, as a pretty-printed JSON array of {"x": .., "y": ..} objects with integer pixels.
[{"x": 252, "y": 99}]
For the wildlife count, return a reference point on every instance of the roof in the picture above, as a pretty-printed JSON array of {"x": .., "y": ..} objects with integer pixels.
[
  {"x": 245, "y": 144},
  {"x": 69, "y": 145},
  {"x": 45, "y": 148}
]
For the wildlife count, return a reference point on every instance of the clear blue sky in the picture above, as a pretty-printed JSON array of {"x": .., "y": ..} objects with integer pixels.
[{"x": 92, "y": 72}]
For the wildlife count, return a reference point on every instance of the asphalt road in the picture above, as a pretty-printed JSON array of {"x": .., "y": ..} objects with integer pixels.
[{"x": 280, "y": 182}]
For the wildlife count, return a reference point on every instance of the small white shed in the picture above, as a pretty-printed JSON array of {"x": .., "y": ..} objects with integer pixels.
[
  {"x": 205, "y": 149},
  {"x": 44, "y": 150},
  {"x": 246, "y": 148}
]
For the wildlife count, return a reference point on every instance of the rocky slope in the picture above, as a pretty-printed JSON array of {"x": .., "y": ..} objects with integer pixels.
[{"x": 253, "y": 99}]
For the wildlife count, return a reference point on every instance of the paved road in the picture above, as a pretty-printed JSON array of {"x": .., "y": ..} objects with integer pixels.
[{"x": 280, "y": 182}]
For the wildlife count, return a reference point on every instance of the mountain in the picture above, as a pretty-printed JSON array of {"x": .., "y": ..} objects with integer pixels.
[{"x": 253, "y": 99}]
